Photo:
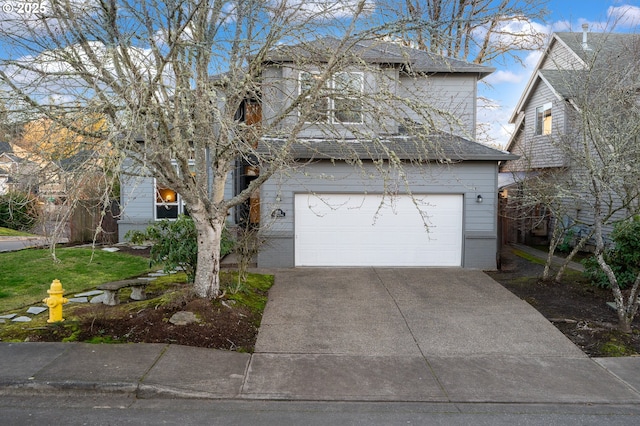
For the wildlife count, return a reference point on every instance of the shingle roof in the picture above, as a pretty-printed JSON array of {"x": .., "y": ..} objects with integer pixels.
[
  {"x": 378, "y": 52},
  {"x": 604, "y": 44},
  {"x": 561, "y": 80},
  {"x": 436, "y": 147}
]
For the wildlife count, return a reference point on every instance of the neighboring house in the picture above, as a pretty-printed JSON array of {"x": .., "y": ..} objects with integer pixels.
[
  {"x": 5, "y": 181},
  {"x": 5, "y": 170},
  {"x": 21, "y": 170},
  {"x": 545, "y": 122},
  {"x": 328, "y": 212}
]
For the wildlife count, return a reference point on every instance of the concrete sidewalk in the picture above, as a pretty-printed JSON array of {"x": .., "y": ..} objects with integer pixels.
[
  {"x": 434, "y": 335},
  {"x": 20, "y": 243}
]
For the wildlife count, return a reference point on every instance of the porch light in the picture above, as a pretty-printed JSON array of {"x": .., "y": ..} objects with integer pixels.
[{"x": 479, "y": 198}]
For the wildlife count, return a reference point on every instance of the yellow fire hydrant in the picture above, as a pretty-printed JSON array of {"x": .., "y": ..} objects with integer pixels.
[{"x": 55, "y": 301}]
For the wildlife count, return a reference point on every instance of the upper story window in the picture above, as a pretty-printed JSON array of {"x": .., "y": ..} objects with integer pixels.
[
  {"x": 543, "y": 119},
  {"x": 343, "y": 100}
]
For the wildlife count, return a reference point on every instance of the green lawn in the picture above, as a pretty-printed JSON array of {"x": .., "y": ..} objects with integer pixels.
[
  {"x": 27, "y": 274},
  {"x": 6, "y": 232}
]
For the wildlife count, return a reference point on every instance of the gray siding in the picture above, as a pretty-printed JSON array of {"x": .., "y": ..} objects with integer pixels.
[
  {"x": 469, "y": 179},
  {"x": 455, "y": 94},
  {"x": 137, "y": 199},
  {"x": 540, "y": 151},
  {"x": 560, "y": 57},
  {"x": 137, "y": 195}
]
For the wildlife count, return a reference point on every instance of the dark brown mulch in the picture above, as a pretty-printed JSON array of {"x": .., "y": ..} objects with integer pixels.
[
  {"x": 221, "y": 324},
  {"x": 577, "y": 308}
]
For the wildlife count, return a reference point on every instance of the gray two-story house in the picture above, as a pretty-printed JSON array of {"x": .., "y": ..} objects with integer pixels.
[
  {"x": 358, "y": 194},
  {"x": 548, "y": 133}
]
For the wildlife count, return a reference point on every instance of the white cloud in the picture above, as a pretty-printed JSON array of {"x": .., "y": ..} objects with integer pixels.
[
  {"x": 493, "y": 119},
  {"x": 320, "y": 9},
  {"x": 516, "y": 32},
  {"x": 626, "y": 16},
  {"x": 618, "y": 17},
  {"x": 502, "y": 76}
]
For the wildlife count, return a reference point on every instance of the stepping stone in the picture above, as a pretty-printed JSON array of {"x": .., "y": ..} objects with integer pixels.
[
  {"x": 8, "y": 316},
  {"x": 139, "y": 247},
  {"x": 2, "y": 320},
  {"x": 98, "y": 299},
  {"x": 35, "y": 310},
  {"x": 111, "y": 249},
  {"x": 183, "y": 318},
  {"x": 147, "y": 278},
  {"x": 157, "y": 274},
  {"x": 89, "y": 293},
  {"x": 79, "y": 299},
  {"x": 21, "y": 319}
]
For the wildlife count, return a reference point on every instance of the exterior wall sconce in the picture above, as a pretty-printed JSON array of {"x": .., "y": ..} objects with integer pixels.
[{"x": 479, "y": 198}]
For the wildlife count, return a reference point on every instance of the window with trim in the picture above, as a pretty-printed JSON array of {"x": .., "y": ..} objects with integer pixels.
[
  {"x": 543, "y": 119},
  {"x": 168, "y": 203},
  {"x": 343, "y": 101}
]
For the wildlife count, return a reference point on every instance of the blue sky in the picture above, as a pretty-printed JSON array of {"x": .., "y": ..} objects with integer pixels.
[
  {"x": 504, "y": 87},
  {"x": 508, "y": 82}
]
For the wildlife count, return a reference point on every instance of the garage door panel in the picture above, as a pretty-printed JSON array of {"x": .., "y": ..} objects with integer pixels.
[{"x": 372, "y": 230}]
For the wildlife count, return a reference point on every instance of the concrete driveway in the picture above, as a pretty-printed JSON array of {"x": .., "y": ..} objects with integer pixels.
[
  {"x": 415, "y": 335},
  {"x": 367, "y": 311}
]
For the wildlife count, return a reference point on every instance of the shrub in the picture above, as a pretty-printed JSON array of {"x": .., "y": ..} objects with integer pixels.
[
  {"x": 19, "y": 211},
  {"x": 175, "y": 244},
  {"x": 623, "y": 257}
]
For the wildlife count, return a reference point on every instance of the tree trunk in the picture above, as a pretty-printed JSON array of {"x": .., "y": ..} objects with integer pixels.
[
  {"x": 570, "y": 257},
  {"x": 555, "y": 239},
  {"x": 207, "y": 282}
]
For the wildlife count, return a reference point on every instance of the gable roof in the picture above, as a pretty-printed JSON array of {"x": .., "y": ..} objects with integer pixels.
[
  {"x": 600, "y": 47},
  {"x": 377, "y": 52},
  {"x": 446, "y": 147}
]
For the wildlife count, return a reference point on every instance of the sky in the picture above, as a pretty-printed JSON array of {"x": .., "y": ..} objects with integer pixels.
[
  {"x": 505, "y": 86},
  {"x": 501, "y": 90}
]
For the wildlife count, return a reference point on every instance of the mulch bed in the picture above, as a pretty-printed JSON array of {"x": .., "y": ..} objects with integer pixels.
[{"x": 577, "y": 308}]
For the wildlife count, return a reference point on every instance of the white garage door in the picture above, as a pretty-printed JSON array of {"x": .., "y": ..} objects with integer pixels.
[{"x": 372, "y": 230}]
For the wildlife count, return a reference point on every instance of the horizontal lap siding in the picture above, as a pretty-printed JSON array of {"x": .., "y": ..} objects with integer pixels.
[
  {"x": 469, "y": 179},
  {"x": 540, "y": 151},
  {"x": 454, "y": 94},
  {"x": 137, "y": 199}
]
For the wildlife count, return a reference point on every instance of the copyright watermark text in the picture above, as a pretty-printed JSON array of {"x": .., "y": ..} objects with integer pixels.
[{"x": 22, "y": 8}]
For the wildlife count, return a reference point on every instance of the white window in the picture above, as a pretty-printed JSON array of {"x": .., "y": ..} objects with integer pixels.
[
  {"x": 168, "y": 203},
  {"x": 347, "y": 101},
  {"x": 543, "y": 119},
  {"x": 320, "y": 109},
  {"x": 343, "y": 100}
]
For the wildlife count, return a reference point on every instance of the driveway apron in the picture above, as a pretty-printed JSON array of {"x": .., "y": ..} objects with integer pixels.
[{"x": 410, "y": 334}]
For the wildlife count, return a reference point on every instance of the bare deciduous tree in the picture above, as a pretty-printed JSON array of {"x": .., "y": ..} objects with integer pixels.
[
  {"x": 479, "y": 31},
  {"x": 170, "y": 79},
  {"x": 600, "y": 184}
]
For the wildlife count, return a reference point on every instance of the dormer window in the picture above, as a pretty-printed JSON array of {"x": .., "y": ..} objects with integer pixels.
[
  {"x": 342, "y": 102},
  {"x": 543, "y": 119}
]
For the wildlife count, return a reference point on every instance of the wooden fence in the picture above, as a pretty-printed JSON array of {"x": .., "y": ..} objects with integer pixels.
[{"x": 86, "y": 218}]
